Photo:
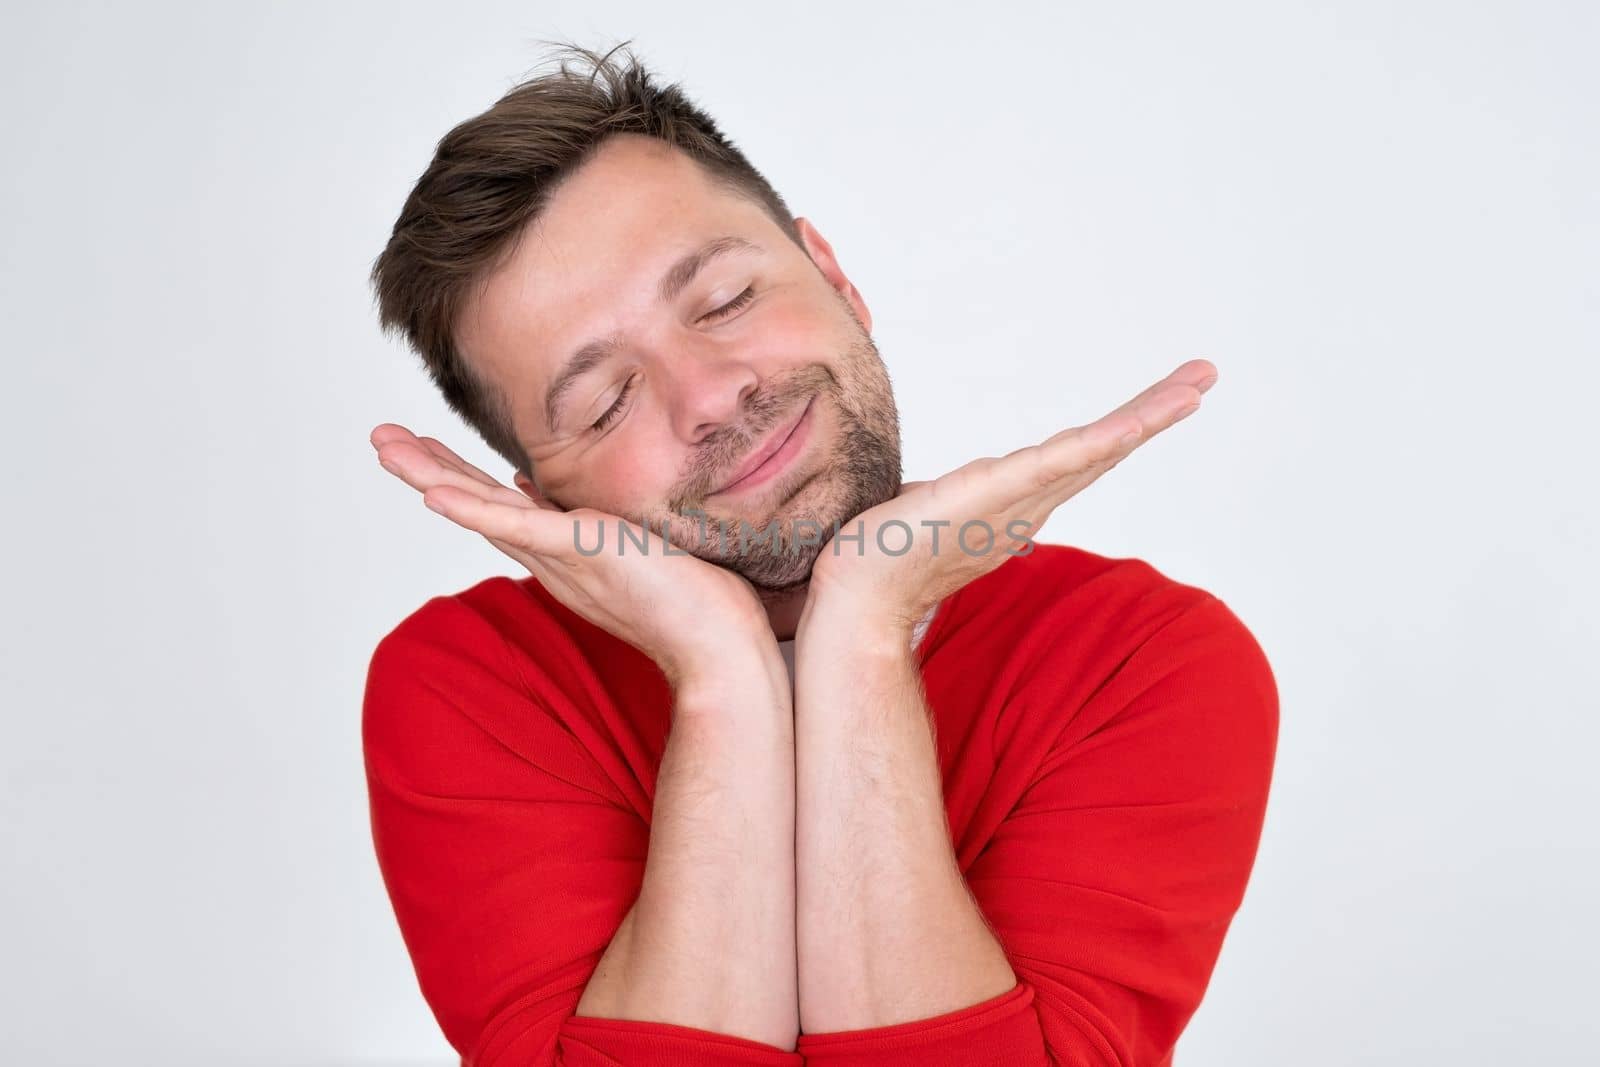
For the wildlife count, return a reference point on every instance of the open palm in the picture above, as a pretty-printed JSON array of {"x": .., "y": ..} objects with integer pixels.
[{"x": 936, "y": 536}]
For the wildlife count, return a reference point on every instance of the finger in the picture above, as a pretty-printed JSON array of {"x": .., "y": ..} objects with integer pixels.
[
  {"x": 1163, "y": 410},
  {"x": 389, "y": 433},
  {"x": 438, "y": 448},
  {"x": 449, "y": 458},
  {"x": 1198, "y": 374},
  {"x": 386, "y": 432},
  {"x": 1089, "y": 451},
  {"x": 1044, "y": 470},
  {"x": 419, "y": 467},
  {"x": 1142, "y": 417},
  {"x": 509, "y": 526}
]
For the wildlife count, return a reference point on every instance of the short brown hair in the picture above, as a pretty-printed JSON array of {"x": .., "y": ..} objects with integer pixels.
[{"x": 494, "y": 173}]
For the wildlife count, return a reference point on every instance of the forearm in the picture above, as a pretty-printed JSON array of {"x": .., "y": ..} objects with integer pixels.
[
  {"x": 709, "y": 943},
  {"x": 886, "y": 929}
]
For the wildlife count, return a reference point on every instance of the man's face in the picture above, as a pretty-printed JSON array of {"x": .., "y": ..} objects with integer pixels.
[{"x": 764, "y": 343}]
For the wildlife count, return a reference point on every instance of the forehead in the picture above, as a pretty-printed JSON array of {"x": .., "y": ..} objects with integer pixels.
[{"x": 594, "y": 257}]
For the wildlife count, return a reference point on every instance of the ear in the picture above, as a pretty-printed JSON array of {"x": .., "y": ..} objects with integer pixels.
[
  {"x": 822, "y": 255},
  {"x": 525, "y": 483}
]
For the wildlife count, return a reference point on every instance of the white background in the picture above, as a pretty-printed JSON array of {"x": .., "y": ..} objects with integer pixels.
[{"x": 1378, "y": 220}]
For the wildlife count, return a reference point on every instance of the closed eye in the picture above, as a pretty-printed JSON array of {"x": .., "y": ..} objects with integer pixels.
[
  {"x": 616, "y": 406},
  {"x": 733, "y": 305},
  {"x": 722, "y": 312}
]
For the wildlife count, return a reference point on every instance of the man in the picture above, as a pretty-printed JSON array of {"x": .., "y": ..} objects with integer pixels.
[{"x": 898, "y": 793}]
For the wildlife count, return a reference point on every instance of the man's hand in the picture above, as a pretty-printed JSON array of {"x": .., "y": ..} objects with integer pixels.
[
  {"x": 887, "y": 930},
  {"x": 623, "y": 594},
  {"x": 708, "y": 942},
  {"x": 1013, "y": 495}
]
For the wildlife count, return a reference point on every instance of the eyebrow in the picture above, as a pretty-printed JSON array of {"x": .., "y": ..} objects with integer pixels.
[{"x": 672, "y": 284}]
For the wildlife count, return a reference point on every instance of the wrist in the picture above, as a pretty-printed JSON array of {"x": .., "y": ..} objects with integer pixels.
[
  {"x": 834, "y": 616},
  {"x": 839, "y": 632},
  {"x": 737, "y": 674},
  {"x": 710, "y": 641},
  {"x": 832, "y": 607}
]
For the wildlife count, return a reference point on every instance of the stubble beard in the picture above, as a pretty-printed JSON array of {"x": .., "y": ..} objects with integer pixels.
[{"x": 772, "y": 551}]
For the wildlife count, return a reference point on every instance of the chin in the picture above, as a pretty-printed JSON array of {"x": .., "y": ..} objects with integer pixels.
[
  {"x": 822, "y": 503},
  {"x": 858, "y": 469}
]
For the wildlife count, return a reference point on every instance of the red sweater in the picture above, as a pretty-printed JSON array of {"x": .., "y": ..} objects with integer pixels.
[{"x": 1106, "y": 737}]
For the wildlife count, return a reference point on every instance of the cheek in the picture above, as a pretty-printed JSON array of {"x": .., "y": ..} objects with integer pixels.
[
  {"x": 803, "y": 334},
  {"x": 797, "y": 331},
  {"x": 628, "y": 476}
]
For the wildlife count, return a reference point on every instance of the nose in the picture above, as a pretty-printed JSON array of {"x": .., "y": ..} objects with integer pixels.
[{"x": 708, "y": 390}]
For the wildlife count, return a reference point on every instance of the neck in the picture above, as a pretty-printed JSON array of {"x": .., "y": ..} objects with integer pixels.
[{"x": 784, "y": 608}]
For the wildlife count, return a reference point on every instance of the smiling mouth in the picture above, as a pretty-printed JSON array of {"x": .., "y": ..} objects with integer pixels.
[{"x": 771, "y": 455}]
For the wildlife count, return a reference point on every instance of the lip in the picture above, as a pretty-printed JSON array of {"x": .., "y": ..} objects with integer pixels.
[{"x": 773, "y": 455}]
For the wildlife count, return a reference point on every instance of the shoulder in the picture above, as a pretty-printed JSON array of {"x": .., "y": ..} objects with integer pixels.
[
  {"x": 501, "y": 604},
  {"x": 448, "y": 623},
  {"x": 433, "y": 671},
  {"x": 496, "y": 625},
  {"x": 467, "y": 678},
  {"x": 1064, "y": 591},
  {"x": 1092, "y": 641}
]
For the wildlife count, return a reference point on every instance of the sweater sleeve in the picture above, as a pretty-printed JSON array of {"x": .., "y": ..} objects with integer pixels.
[
  {"x": 1111, "y": 883},
  {"x": 509, "y": 857}
]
